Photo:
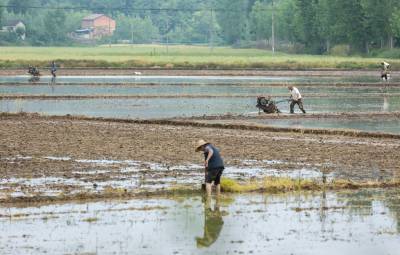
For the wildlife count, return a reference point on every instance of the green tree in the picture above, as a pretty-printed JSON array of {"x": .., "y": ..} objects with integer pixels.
[
  {"x": 261, "y": 20},
  {"x": 234, "y": 21},
  {"x": 308, "y": 31},
  {"x": 54, "y": 25},
  {"x": 1, "y": 13},
  {"x": 395, "y": 22},
  {"x": 136, "y": 29},
  {"x": 18, "y": 6}
]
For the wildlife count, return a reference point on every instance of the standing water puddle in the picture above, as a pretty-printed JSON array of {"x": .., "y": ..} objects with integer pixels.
[
  {"x": 188, "y": 79},
  {"x": 155, "y": 108},
  {"x": 384, "y": 124},
  {"x": 348, "y": 223}
]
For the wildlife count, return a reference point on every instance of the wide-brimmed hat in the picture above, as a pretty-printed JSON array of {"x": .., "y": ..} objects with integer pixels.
[{"x": 200, "y": 143}]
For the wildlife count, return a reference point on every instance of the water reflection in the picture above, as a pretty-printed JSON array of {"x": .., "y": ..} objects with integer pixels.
[
  {"x": 213, "y": 223},
  {"x": 385, "y": 107},
  {"x": 347, "y": 222},
  {"x": 34, "y": 79}
]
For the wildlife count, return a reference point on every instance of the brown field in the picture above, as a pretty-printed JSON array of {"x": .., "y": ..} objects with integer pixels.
[{"x": 356, "y": 158}]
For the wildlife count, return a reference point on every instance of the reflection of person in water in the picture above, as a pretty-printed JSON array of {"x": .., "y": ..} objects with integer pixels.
[
  {"x": 385, "y": 106},
  {"x": 212, "y": 225}
]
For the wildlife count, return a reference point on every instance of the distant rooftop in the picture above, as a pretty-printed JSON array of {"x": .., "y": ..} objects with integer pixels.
[
  {"x": 12, "y": 23},
  {"x": 93, "y": 16}
]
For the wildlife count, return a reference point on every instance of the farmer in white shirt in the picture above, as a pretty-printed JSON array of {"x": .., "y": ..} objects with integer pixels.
[
  {"x": 295, "y": 99},
  {"x": 385, "y": 73}
]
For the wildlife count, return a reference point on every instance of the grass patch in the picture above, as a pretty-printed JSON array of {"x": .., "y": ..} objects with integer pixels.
[
  {"x": 269, "y": 184},
  {"x": 178, "y": 56},
  {"x": 274, "y": 184},
  {"x": 90, "y": 220}
]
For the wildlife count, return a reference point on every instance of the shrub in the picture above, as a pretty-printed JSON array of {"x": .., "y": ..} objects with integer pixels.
[{"x": 340, "y": 50}]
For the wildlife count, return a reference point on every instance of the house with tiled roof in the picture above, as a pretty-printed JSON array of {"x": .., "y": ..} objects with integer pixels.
[{"x": 95, "y": 26}]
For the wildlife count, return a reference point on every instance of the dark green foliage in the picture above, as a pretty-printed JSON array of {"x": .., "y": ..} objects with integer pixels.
[{"x": 310, "y": 26}]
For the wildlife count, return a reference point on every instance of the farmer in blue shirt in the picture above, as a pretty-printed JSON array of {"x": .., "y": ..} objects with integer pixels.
[
  {"x": 213, "y": 163},
  {"x": 53, "y": 69}
]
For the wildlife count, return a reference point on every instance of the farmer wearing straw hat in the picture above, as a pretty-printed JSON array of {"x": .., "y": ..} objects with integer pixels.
[{"x": 213, "y": 163}]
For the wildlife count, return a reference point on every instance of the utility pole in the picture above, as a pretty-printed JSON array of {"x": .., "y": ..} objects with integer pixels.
[
  {"x": 211, "y": 30},
  {"x": 166, "y": 34},
  {"x": 131, "y": 32},
  {"x": 109, "y": 31},
  {"x": 273, "y": 28}
]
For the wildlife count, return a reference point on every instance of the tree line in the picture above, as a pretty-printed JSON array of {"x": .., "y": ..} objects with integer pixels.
[{"x": 298, "y": 26}]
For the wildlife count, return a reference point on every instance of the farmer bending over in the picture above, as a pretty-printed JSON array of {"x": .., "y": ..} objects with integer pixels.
[
  {"x": 214, "y": 165},
  {"x": 295, "y": 99}
]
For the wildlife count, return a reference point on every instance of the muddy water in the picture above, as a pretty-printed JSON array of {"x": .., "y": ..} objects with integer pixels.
[
  {"x": 202, "y": 95},
  {"x": 358, "y": 222},
  {"x": 386, "y": 125},
  {"x": 148, "y": 108},
  {"x": 193, "y": 90},
  {"x": 189, "y": 79}
]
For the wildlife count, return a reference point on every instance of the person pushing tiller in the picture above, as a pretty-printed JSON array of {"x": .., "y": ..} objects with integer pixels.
[
  {"x": 295, "y": 98},
  {"x": 385, "y": 73}
]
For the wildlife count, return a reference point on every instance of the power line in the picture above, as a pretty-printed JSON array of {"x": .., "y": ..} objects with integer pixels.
[{"x": 81, "y": 8}]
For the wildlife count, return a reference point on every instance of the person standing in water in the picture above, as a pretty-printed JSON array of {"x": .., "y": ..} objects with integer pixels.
[
  {"x": 295, "y": 98},
  {"x": 214, "y": 165},
  {"x": 385, "y": 73},
  {"x": 53, "y": 69}
]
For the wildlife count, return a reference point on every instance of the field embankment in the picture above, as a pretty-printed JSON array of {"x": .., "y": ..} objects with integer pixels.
[{"x": 177, "y": 57}]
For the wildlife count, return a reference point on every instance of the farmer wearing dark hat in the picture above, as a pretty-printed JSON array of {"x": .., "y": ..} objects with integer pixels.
[{"x": 213, "y": 163}]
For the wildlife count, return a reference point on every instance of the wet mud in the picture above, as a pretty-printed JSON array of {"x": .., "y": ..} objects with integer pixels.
[{"x": 71, "y": 156}]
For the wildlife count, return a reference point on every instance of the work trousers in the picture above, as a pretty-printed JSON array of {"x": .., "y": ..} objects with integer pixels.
[{"x": 299, "y": 103}]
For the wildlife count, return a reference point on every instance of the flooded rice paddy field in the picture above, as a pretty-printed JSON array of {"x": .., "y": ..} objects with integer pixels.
[
  {"x": 155, "y": 97},
  {"x": 160, "y": 108},
  {"x": 168, "y": 79},
  {"x": 193, "y": 90},
  {"x": 62, "y": 158},
  {"x": 155, "y": 102},
  {"x": 78, "y": 160},
  {"x": 359, "y": 222},
  {"x": 373, "y": 124}
]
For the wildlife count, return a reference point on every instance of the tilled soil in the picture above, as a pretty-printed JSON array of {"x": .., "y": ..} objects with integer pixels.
[{"x": 40, "y": 137}]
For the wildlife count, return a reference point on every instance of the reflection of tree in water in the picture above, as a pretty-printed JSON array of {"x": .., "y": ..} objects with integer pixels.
[
  {"x": 358, "y": 203},
  {"x": 393, "y": 204},
  {"x": 213, "y": 223}
]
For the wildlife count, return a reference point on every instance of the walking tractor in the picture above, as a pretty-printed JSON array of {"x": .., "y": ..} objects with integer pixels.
[
  {"x": 33, "y": 71},
  {"x": 268, "y": 105}
]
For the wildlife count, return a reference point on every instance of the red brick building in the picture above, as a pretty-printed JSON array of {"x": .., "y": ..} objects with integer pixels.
[{"x": 99, "y": 25}]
